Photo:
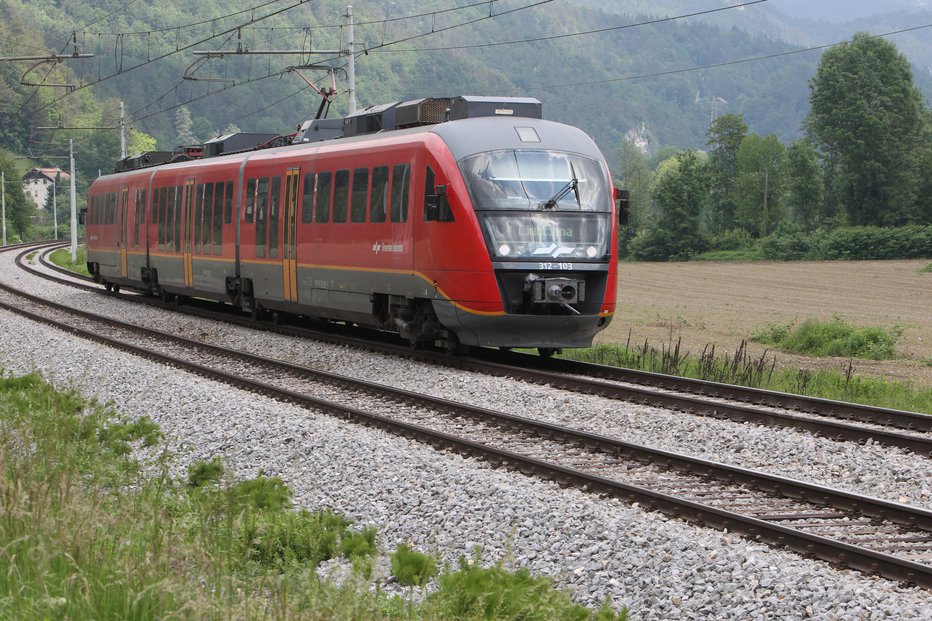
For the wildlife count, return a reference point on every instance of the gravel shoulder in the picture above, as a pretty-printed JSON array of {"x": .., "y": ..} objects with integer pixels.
[{"x": 661, "y": 568}]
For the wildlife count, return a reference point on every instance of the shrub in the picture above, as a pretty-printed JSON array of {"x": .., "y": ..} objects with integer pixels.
[
  {"x": 202, "y": 473},
  {"x": 475, "y": 592},
  {"x": 356, "y": 544},
  {"x": 287, "y": 538},
  {"x": 412, "y": 567},
  {"x": 834, "y": 338}
]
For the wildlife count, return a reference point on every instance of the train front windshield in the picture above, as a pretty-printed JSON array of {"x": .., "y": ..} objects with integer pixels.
[{"x": 541, "y": 204}]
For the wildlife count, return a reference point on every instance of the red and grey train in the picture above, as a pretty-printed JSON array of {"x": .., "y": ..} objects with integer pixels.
[{"x": 457, "y": 222}]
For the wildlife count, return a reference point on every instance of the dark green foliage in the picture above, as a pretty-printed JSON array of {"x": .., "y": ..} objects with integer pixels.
[
  {"x": 488, "y": 593},
  {"x": 834, "y": 338},
  {"x": 868, "y": 119},
  {"x": 680, "y": 192},
  {"x": 908, "y": 242},
  {"x": 725, "y": 135},
  {"x": 412, "y": 567},
  {"x": 284, "y": 538},
  {"x": 849, "y": 243},
  {"x": 360, "y": 543},
  {"x": 203, "y": 473},
  {"x": 262, "y": 493}
]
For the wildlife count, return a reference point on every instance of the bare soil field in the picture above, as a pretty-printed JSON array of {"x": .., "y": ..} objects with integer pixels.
[{"x": 722, "y": 303}]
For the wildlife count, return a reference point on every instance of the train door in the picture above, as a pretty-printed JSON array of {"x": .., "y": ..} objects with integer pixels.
[
  {"x": 123, "y": 224},
  {"x": 290, "y": 228},
  {"x": 187, "y": 232}
]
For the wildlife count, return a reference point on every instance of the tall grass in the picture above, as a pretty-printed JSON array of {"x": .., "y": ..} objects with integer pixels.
[
  {"x": 62, "y": 258},
  {"x": 759, "y": 372},
  {"x": 86, "y": 534}
]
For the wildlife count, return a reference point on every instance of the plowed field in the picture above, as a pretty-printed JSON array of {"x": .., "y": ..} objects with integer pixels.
[{"x": 722, "y": 303}]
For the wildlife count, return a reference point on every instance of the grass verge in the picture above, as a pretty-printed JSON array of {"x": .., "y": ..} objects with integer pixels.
[
  {"x": 62, "y": 258},
  {"x": 761, "y": 372},
  {"x": 85, "y": 533},
  {"x": 831, "y": 338}
]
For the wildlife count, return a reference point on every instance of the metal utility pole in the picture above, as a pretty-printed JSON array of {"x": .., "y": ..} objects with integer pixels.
[
  {"x": 3, "y": 200},
  {"x": 74, "y": 206},
  {"x": 55, "y": 207},
  {"x": 351, "y": 66},
  {"x": 122, "y": 133}
]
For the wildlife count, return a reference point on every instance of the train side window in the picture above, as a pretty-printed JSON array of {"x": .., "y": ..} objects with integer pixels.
[
  {"x": 198, "y": 215},
  {"x": 208, "y": 216},
  {"x": 401, "y": 174},
  {"x": 275, "y": 200},
  {"x": 155, "y": 205},
  {"x": 262, "y": 199},
  {"x": 228, "y": 203},
  {"x": 322, "y": 201},
  {"x": 307, "y": 199},
  {"x": 360, "y": 195},
  {"x": 218, "y": 219},
  {"x": 111, "y": 208},
  {"x": 139, "y": 212},
  {"x": 379, "y": 194},
  {"x": 340, "y": 195},
  {"x": 250, "y": 200},
  {"x": 163, "y": 211},
  {"x": 176, "y": 229},
  {"x": 91, "y": 209}
]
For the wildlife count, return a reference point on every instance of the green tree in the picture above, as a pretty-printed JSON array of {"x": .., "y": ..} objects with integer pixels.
[
  {"x": 867, "y": 118},
  {"x": 760, "y": 184},
  {"x": 634, "y": 175},
  {"x": 19, "y": 209},
  {"x": 725, "y": 136},
  {"x": 679, "y": 191},
  {"x": 805, "y": 187},
  {"x": 184, "y": 127}
]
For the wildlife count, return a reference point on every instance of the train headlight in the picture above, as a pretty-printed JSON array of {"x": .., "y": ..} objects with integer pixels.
[
  {"x": 591, "y": 251},
  {"x": 504, "y": 250}
]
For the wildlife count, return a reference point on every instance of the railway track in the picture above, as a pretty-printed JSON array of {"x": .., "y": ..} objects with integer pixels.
[
  {"x": 835, "y": 420},
  {"x": 860, "y": 532}
]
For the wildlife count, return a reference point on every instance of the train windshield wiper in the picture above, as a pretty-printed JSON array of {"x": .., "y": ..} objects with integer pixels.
[{"x": 572, "y": 184}]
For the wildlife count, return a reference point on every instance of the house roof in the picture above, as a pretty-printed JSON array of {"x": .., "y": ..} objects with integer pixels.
[{"x": 45, "y": 173}]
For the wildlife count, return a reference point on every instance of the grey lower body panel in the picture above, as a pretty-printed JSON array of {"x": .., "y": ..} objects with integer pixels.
[{"x": 556, "y": 331}]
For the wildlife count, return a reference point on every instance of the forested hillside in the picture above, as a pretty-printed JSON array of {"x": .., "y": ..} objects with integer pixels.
[
  {"x": 646, "y": 79},
  {"x": 608, "y": 83}
]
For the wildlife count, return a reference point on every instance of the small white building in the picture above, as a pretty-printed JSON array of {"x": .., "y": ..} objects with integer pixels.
[{"x": 37, "y": 183}]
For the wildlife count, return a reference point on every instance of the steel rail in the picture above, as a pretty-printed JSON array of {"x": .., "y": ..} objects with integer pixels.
[
  {"x": 821, "y": 547},
  {"x": 661, "y": 397}
]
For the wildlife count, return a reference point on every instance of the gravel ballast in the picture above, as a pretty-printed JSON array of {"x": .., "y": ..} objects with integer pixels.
[{"x": 661, "y": 568}]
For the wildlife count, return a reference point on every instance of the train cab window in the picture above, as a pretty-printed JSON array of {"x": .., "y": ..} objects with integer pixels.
[
  {"x": 436, "y": 205},
  {"x": 275, "y": 200},
  {"x": 307, "y": 199},
  {"x": 401, "y": 174},
  {"x": 262, "y": 203},
  {"x": 228, "y": 203},
  {"x": 379, "y": 194},
  {"x": 340, "y": 195},
  {"x": 322, "y": 201},
  {"x": 360, "y": 195},
  {"x": 250, "y": 200},
  {"x": 217, "y": 220}
]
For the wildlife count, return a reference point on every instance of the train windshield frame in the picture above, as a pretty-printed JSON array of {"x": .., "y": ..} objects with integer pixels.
[{"x": 519, "y": 179}]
